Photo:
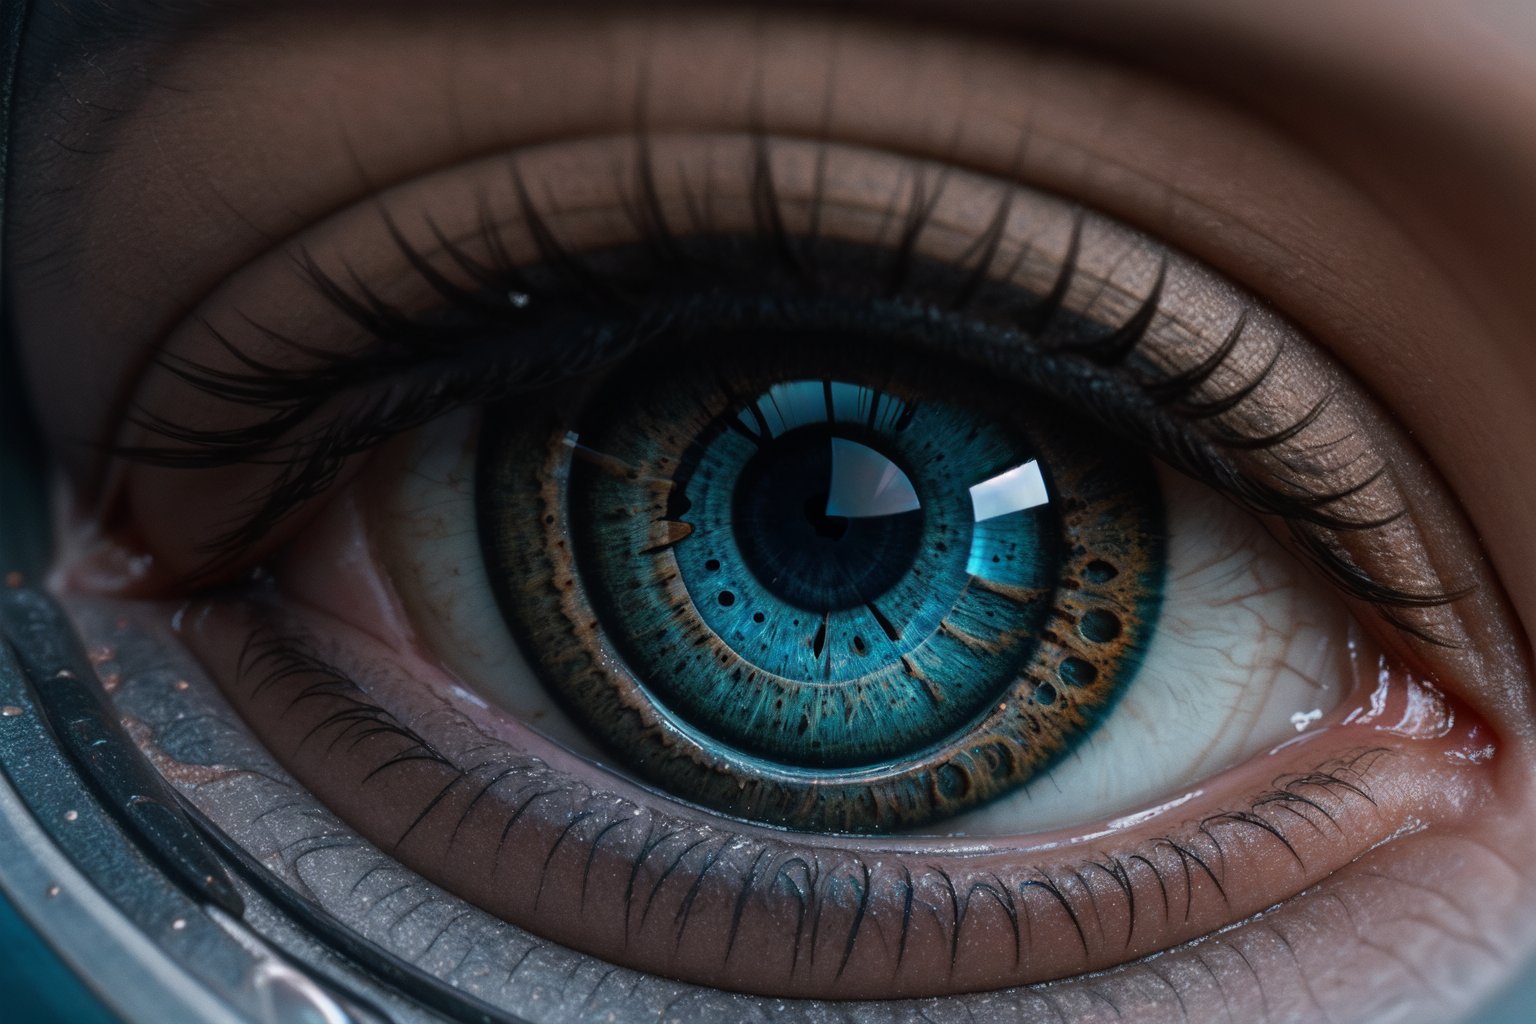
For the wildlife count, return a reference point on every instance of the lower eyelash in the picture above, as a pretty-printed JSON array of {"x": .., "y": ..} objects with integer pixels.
[
  {"x": 1163, "y": 872},
  {"x": 429, "y": 945}
]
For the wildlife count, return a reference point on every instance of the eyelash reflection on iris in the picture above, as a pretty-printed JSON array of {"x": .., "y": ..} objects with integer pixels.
[{"x": 840, "y": 599}]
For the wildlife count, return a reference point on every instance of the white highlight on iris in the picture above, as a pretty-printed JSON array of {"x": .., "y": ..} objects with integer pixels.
[
  {"x": 1014, "y": 490},
  {"x": 866, "y": 484}
]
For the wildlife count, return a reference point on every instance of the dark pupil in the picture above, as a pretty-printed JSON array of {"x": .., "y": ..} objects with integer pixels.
[{"x": 813, "y": 560}]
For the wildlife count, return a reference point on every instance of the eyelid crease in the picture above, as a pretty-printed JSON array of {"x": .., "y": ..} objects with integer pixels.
[{"x": 417, "y": 366}]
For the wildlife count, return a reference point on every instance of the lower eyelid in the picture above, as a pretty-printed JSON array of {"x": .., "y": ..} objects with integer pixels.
[
  {"x": 1408, "y": 929},
  {"x": 636, "y": 877}
]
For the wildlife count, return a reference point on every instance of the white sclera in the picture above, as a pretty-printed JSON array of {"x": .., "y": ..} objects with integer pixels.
[
  {"x": 1248, "y": 648},
  {"x": 1248, "y": 644},
  {"x": 424, "y": 527}
]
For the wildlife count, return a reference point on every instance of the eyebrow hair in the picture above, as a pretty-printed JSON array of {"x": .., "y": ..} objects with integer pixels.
[
  {"x": 65, "y": 32},
  {"x": 64, "y": 35},
  {"x": 80, "y": 66}
]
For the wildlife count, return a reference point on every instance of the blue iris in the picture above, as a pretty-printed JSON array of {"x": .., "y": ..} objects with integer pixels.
[{"x": 861, "y": 630}]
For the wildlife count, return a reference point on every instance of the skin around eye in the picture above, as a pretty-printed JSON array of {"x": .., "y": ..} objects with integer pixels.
[
  {"x": 1343, "y": 272},
  {"x": 505, "y": 819}
]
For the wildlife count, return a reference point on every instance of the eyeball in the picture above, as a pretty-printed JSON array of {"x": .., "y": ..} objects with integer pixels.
[{"x": 1182, "y": 637}]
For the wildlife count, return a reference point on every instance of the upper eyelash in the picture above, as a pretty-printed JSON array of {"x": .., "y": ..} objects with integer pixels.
[{"x": 423, "y": 366}]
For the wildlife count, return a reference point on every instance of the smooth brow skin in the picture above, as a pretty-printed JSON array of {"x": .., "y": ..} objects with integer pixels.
[{"x": 1365, "y": 168}]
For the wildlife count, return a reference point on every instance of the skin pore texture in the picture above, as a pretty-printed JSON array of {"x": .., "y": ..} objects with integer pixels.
[{"x": 1364, "y": 171}]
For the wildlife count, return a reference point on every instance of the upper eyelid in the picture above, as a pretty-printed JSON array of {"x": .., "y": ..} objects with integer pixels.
[
  {"x": 1233, "y": 396},
  {"x": 1038, "y": 127}
]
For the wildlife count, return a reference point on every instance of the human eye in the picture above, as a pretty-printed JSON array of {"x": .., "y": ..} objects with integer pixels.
[{"x": 547, "y": 544}]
